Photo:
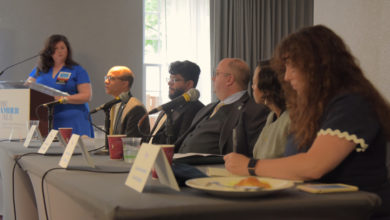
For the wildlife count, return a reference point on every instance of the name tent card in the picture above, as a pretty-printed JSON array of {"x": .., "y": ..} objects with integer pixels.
[
  {"x": 147, "y": 156},
  {"x": 74, "y": 141},
  {"x": 49, "y": 139},
  {"x": 61, "y": 139},
  {"x": 32, "y": 133},
  {"x": 85, "y": 153}
]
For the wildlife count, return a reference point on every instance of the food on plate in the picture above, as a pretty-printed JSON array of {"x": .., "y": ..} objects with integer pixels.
[{"x": 252, "y": 181}]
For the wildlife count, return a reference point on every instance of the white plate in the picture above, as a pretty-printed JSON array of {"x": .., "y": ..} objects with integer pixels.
[{"x": 224, "y": 186}]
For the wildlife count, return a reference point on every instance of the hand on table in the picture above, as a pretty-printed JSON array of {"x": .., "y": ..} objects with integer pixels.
[{"x": 237, "y": 164}]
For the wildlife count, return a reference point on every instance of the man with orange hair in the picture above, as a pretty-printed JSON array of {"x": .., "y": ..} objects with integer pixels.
[{"x": 125, "y": 116}]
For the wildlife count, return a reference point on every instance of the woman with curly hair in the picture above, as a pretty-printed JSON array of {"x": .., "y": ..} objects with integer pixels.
[
  {"x": 267, "y": 90},
  {"x": 339, "y": 120},
  {"x": 58, "y": 70}
]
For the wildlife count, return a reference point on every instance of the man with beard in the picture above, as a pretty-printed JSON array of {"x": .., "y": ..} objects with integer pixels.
[{"x": 184, "y": 76}]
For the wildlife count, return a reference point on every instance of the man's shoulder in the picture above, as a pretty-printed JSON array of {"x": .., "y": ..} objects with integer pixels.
[
  {"x": 203, "y": 109},
  {"x": 209, "y": 106},
  {"x": 251, "y": 104},
  {"x": 251, "y": 108},
  {"x": 197, "y": 104},
  {"x": 133, "y": 101},
  {"x": 189, "y": 107},
  {"x": 134, "y": 105}
]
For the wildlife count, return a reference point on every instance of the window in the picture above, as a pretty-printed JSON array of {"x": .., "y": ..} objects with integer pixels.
[{"x": 175, "y": 30}]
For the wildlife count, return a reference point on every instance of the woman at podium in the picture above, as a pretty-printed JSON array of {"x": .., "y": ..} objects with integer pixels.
[{"x": 58, "y": 70}]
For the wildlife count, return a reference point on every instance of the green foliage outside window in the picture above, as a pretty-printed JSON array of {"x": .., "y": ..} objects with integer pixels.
[{"x": 152, "y": 26}]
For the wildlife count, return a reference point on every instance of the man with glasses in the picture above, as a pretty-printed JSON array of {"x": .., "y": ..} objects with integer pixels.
[
  {"x": 212, "y": 128},
  {"x": 184, "y": 76},
  {"x": 125, "y": 116}
]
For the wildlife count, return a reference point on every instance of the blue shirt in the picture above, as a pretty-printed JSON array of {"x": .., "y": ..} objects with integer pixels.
[{"x": 67, "y": 79}]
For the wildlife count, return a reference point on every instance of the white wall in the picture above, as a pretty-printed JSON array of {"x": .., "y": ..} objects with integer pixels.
[
  {"x": 365, "y": 27},
  {"x": 102, "y": 34}
]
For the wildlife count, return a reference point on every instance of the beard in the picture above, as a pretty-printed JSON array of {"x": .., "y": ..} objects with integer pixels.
[{"x": 176, "y": 93}]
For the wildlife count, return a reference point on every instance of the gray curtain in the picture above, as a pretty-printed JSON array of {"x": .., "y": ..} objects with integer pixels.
[{"x": 250, "y": 29}]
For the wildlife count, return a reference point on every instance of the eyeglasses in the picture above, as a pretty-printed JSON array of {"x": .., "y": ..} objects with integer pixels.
[
  {"x": 174, "y": 80},
  {"x": 110, "y": 78}
]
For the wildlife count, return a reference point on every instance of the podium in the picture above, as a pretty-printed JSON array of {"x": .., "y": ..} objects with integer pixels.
[{"x": 19, "y": 104}]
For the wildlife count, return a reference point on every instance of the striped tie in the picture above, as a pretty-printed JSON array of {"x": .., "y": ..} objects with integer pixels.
[{"x": 217, "y": 107}]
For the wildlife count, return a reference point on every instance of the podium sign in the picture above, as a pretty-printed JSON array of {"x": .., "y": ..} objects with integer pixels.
[
  {"x": 18, "y": 105},
  {"x": 14, "y": 113}
]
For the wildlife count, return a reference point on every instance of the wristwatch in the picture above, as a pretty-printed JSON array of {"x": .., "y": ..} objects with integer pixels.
[{"x": 252, "y": 166}]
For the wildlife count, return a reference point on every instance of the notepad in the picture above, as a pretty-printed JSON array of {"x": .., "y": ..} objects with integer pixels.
[
  {"x": 327, "y": 188},
  {"x": 213, "y": 171}
]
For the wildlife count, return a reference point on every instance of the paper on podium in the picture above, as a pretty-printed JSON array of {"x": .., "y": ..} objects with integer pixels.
[
  {"x": 13, "y": 85},
  {"x": 46, "y": 89}
]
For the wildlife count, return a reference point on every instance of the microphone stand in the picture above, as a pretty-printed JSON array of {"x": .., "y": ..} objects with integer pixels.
[
  {"x": 107, "y": 127},
  {"x": 50, "y": 112},
  {"x": 107, "y": 123},
  {"x": 1, "y": 73},
  {"x": 50, "y": 117},
  {"x": 169, "y": 127}
]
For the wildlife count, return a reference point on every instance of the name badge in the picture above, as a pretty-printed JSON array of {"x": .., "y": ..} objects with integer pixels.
[{"x": 63, "y": 77}]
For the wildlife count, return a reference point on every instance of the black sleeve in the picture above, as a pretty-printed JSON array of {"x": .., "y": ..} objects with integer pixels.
[
  {"x": 186, "y": 120},
  {"x": 130, "y": 124},
  {"x": 351, "y": 117},
  {"x": 255, "y": 117}
]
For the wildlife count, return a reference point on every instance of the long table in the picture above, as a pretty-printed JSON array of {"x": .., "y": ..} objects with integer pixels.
[{"x": 82, "y": 193}]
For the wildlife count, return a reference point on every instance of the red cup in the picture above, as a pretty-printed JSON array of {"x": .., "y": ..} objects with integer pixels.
[
  {"x": 169, "y": 150},
  {"x": 115, "y": 146},
  {"x": 65, "y": 133}
]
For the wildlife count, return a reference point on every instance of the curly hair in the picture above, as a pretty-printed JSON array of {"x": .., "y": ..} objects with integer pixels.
[
  {"x": 270, "y": 85},
  {"x": 46, "y": 61},
  {"x": 187, "y": 69},
  {"x": 328, "y": 69}
]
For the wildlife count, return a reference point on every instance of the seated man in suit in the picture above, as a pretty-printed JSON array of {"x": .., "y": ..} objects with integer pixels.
[
  {"x": 211, "y": 130},
  {"x": 125, "y": 116},
  {"x": 184, "y": 76}
]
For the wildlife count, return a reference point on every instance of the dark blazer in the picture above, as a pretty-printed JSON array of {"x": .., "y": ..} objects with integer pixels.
[
  {"x": 248, "y": 117},
  {"x": 181, "y": 121}
]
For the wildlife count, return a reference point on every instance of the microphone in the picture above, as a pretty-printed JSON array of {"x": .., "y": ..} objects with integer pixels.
[
  {"x": 51, "y": 103},
  {"x": 123, "y": 97},
  {"x": 1, "y": 73},
  {"x": 191, "y": 95}
]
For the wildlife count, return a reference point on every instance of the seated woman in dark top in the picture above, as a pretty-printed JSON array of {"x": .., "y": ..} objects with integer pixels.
[{"x": 339, "y": 121}]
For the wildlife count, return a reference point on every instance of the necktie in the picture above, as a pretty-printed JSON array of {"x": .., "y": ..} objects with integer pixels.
[
  {"x": 113, "y": 112},
  {"x": 118, "y": 119},
  {"x": 217, "y": 107}
]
